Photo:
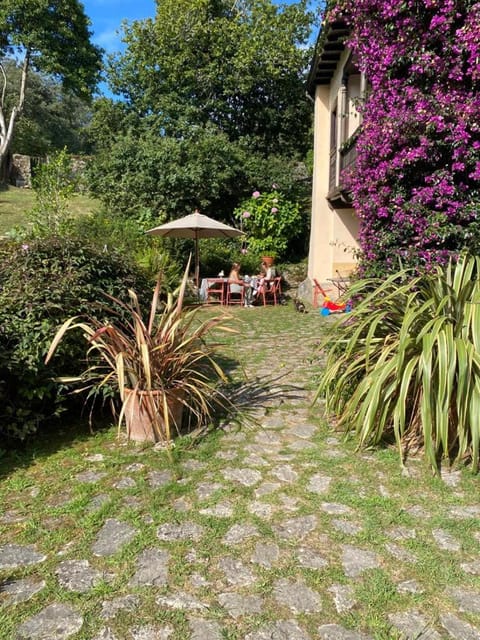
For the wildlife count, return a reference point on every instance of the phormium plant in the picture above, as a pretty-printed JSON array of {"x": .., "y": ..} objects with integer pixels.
[{"x": 405, "y": 363}]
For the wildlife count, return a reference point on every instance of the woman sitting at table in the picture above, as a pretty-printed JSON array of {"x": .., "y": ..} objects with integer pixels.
[{"x": 235, "y": 282}]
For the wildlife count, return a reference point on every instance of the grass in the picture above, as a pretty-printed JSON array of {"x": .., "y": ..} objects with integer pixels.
[
  {"x": 48, "y": 506},
  {"x": 15, "y": 202}
]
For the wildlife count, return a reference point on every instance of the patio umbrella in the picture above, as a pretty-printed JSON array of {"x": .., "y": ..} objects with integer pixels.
[{"x": 195, "y": 226}]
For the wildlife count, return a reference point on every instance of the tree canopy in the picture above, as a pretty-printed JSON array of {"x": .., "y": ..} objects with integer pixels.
[
  {"x": 219, "y": 86},
  {"x": 48, "y": 36}
]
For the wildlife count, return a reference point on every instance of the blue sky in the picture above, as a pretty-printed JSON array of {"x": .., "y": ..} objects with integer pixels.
[{"x": 107, "y": 16}]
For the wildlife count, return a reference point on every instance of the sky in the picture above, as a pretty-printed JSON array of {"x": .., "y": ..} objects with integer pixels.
[{"x": 107, "y": 16}]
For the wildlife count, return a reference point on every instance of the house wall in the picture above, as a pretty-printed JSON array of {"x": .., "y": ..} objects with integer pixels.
[{"x": 334, "y": 232}]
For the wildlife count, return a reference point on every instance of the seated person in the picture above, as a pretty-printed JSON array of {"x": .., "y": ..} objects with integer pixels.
[
  {"x": 236, "y": 280},
  {"x": 267, "y": 273}
]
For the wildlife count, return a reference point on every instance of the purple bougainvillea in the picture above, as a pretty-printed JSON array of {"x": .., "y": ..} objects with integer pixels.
[{"x": 416, "y": 182}]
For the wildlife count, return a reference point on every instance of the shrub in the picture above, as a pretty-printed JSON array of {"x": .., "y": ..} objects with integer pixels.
[
  {"x": 43, "y": 283},
  {"x": 405, "y": 364}
]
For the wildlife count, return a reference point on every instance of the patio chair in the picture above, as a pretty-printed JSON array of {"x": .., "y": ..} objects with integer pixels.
[
  {"x": 215, "y": 291},
  {"x": 235, "y": 293},
  {"x": 270, "y": 291}
]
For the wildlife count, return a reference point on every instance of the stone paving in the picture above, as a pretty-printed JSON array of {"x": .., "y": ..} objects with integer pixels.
[{"x": 297, "y": 553}]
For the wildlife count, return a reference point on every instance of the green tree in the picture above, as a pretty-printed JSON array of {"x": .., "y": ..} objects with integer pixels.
[
  {"x": 218, "y": 87},
  {"x": 52, "y": 117},
  {"x": 51, "y": 36}
]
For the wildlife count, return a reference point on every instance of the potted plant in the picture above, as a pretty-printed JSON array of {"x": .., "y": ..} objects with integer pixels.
[{"x": 158, "y": 366}]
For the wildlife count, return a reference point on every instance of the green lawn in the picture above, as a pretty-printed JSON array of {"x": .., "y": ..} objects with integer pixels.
[{"x": 15, "y": 202}]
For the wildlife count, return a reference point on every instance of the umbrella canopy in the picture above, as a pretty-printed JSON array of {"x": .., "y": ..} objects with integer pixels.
[{"x": 195, "y": 226}]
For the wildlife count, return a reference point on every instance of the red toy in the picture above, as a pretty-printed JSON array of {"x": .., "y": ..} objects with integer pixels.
[{"x": 328, "y": 306}]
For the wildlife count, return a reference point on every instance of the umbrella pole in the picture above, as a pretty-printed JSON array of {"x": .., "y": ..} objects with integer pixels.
[{"x": 197, "y": 262}]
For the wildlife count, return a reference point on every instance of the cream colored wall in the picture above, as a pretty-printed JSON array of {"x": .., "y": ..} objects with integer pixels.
[{"x": 333, "y": 234}]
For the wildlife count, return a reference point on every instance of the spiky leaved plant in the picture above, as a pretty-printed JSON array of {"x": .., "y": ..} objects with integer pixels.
[
  {"x": 165, "y": 352},
  {"x": 405, "y": 364}
]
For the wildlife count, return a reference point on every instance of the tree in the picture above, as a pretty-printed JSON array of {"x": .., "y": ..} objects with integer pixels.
[
  {"x": 52, "y": 117},
  {"x": 219, "y": 86},
  {"x": 51, "y": 36},
  {"x": 416, "y": 184}
]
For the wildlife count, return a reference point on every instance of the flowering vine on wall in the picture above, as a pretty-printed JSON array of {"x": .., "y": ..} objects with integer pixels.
[{"x": 416, "y": 182}]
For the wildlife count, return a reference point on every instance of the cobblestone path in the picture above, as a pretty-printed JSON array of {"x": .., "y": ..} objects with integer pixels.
[{"x": 279, "y": 532}]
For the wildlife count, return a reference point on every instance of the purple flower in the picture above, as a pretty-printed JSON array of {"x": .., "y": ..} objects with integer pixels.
[
  {"x": 25, "y": 247},
  {"x": 274, "y": 186},
  {"x": 274, "y": 210},
  {"x": 244, "y": 251},
  {"x": 246, "y": 214},
  {"x": 256, "y": 194}
]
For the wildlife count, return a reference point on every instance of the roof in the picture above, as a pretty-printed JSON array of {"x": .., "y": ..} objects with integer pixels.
[{"x": 329, "y": 48}]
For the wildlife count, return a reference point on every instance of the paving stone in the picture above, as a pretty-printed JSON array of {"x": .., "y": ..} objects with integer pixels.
[
  {"x": 409, "y": 586},
  {"x": 301, "y": 445},
  {"x": 198, "y": 581},
  {"x": 152, "y": 568},
  {"x": 336, "y": 632},
  {"x": 206, "y": 490},
  {"x": 266, "y": 554},
  {"x": 401, "y": 533},
  {"x": 319, "y": 483},
  {"x": 261, "y": 509},
  {"x": 97, "y": 502},
  {"x": 227, "y": 455},
  {"x": 12, "y": 517},
  {"x": 246, "y": 477},
  {"x": 311, "y": 559},
  {"x": 193, "y": 465},
  {"x": 269, "y": 438},
  {"x": 280, "y": 630},
  {"x": 289, "y": 503},
  {"x": 417, "y": 511},
  {"x": 472, "y": 567},
  {"x": 254, "y": 460},
  {"x": 125, "y": 483},
  {"x": 220, "y": 510},
  {"x": 202, "y": 629},
  {"x": 413, "y": 626},
  {"x": 152, "y": 632},
  {"x": 355, "y": 561},
  {"x": 170, "y": 531},
  {"x": 295, "y": 528},
  {"x": 158, "y": 479},
  {"x": 238, "y": 533},
  {"x": 112, "y": 537},
  {"x": 350, "y": 528},
  {"x": 266, "y": 489},
  {"x": 55, "y": 622},
  {"x": 463, "y": 513},
  {"x": 458, "y": 629},
  {"x": 451, "y": 478},
  {"x": 239, "y": 605},
  {"x": 78, "y": 575},
  {"x": 182, "y": 504},
  {"x": 105, "y": 634},
  {"x": 445, "y": 540},
  {"x": 110, "y": 608},
  {"x": 134, "y": 467},
  {"x": 400, "y": 553},
  {"x": 285, "y": 473},
  {"x": 467, "y": 601},
  {"x": 335, "y": 509},
  {"x": 90, "y": 476},
  {"x": 183, "y": 601},
  {"x": 297, "y": 596},
  {"x": 13, "y": 556},
  {"x": 16, "y": 591},
  {"x": 343, "y": 597},
  {"x": 95, "y": 457},
  {"x": 236, "y": 573},
  {"x": 304, "y": 431}
]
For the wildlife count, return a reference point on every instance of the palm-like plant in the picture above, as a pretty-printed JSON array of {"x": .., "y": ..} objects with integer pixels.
[
  {"x": 152, "y": 362},
  {"x": 405, "y": 364}
]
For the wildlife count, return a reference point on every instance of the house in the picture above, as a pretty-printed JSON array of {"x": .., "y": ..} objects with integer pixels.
[{"x": 335, "y": 86}]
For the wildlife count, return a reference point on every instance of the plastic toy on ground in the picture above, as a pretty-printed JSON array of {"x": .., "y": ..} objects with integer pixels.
[{"x": 328, "y": 305}]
